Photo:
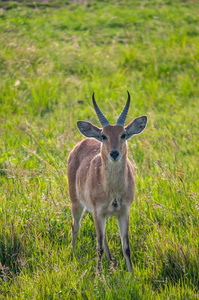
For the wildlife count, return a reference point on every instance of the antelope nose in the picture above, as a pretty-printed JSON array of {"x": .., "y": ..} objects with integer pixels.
[{"x": 114, "y": 154}]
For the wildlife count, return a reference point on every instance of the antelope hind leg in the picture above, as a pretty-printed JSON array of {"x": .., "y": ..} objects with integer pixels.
[{"x": 77, "y": 213}]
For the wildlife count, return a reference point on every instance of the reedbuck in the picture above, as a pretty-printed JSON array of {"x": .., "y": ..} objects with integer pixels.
[{"x": 101, "y": 178}]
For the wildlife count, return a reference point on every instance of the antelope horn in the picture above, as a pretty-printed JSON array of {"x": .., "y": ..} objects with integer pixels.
[
  {"x": 122, "y": 117},
  {"x": 103, "y": 120}
]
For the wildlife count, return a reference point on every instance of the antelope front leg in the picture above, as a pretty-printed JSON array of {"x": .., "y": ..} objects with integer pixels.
[
  {"x": 107, "y": 250},
  {"x": 100, "y": 222},
  {"x": 123, "y": 223}
]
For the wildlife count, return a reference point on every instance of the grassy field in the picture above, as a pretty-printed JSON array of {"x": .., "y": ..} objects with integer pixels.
[{"x": 51, "y": 56}]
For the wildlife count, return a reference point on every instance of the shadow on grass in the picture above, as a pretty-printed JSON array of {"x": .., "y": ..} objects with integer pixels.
[
  {"x": 177, "y": 267},
  {"x": 11, "y": 248}
]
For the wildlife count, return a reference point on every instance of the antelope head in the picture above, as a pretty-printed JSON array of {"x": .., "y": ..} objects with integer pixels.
[{"x": 112, "y": 137}]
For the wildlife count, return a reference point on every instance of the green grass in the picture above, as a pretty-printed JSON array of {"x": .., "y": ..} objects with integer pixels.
[{"x": 53, "y": 55}]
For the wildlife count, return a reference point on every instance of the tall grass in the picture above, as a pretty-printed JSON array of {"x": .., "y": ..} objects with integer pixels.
[{"x": 52, "y": 58}]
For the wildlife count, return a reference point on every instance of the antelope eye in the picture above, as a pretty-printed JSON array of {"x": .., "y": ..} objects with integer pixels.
[
  {"x": 104, "y": 137},
  {"x": 123, "y": 136}
]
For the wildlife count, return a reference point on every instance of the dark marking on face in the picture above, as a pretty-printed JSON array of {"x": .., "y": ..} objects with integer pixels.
[{"x": 115, "y": 203}]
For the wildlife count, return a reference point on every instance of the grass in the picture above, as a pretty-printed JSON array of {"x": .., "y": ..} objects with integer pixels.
[{"x": 54, "y": 54}]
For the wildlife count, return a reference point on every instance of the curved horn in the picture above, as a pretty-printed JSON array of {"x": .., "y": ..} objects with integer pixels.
[
  {"x": 103, "y": 120},
  {"x": 122, "y": 117}
]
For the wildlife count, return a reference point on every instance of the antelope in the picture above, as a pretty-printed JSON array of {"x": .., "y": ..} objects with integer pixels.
[{"x": 101, "y": 178}]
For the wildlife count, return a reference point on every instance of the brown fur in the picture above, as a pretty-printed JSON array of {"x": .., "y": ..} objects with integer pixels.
[
  {"x": 94, "y": 179},
  {"x": 102, "y": 186},
  {"x": 101, "y": 178}
]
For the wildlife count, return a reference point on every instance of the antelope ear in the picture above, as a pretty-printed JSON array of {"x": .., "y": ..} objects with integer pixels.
[
  {"x": 136, "y": 126},
  {"x": 89, "y": 130}
]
